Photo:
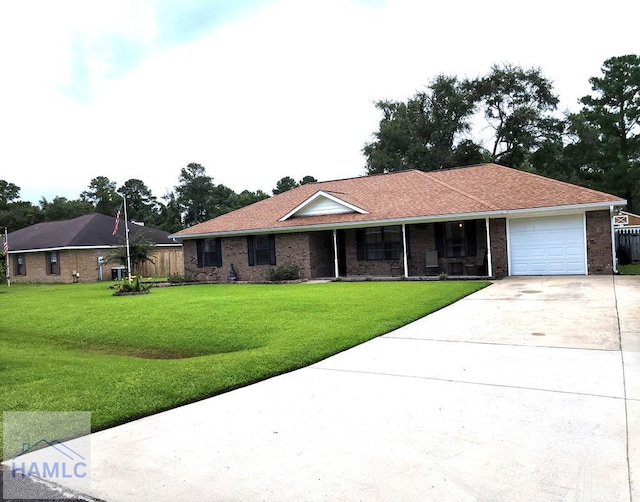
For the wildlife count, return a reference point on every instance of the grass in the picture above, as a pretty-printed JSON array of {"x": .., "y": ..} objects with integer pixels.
[
  {"x": 629, "y": 269},
  {"x": 78, "y": 348}
]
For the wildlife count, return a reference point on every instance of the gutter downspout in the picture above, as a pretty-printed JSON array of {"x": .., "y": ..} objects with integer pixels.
[
  {"x": 404, "y": 251},
  {"x": 614, "y": 255},
  {"x": 489, "y": 264},
  {"x": 336, "y": 270}
]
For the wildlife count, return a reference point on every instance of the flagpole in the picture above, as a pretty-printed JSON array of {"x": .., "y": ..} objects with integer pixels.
[
  {"x": 126, "y": 233},
  {"x": 6, "y": 255}
]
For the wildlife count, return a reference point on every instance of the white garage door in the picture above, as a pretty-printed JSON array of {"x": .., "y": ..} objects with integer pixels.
[{"x": 547, "y": 246}]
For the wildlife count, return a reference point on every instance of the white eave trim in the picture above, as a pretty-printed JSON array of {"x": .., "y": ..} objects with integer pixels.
[
  {"x": 325, "y": 195},
  {"x": 531, "y": 212}
]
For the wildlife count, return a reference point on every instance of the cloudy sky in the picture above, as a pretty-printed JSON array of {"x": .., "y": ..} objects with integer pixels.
[{"x": 255, "y": 90}]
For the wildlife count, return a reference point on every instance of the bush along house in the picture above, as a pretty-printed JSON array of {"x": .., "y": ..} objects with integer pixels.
[{"x": 479, "y": 221}]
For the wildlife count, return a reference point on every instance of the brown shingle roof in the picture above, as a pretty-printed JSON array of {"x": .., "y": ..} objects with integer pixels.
[{"x": 482, "y": 189}]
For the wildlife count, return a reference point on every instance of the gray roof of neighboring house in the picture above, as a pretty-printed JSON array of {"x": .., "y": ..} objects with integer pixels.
[{"x": 91, "y": 230}]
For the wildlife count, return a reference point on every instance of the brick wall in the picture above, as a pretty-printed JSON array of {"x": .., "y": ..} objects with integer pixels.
[
  {"x": 83, "y": 261},
  {"x": 291, "y": 249},
  {"x": 422, "y": 238},
  {"x": 499, "y": 257},
  {"x": 599, "y": 259}
]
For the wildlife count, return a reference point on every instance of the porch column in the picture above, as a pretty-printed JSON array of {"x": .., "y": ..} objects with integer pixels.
[
  {"x": 404, "y": 250},
  {"x": 336, "y": 270},
  {"x": 489, "y": 264}
]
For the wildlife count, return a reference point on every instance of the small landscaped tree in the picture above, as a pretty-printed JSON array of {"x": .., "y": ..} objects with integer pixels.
[{"x": 140, "y": 252}]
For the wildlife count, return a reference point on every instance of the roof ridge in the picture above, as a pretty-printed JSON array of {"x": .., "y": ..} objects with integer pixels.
[
  {"x": 469, "y": 196},
  {"x": 80, "y": 228}
]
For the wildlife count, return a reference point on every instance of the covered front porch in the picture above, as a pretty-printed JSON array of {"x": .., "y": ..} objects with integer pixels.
[{"x": 459, "y": 248}]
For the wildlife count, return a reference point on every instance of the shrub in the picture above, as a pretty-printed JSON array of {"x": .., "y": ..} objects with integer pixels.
[
  {"x": 132, "y": 287},
  {"x": 176, "y": 278},
  {"x": 283, "y": 273}
]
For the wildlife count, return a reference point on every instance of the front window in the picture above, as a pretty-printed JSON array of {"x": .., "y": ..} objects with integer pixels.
[
  {"x": 380, "y": 243},
  {"x": 261, "y": 249},
  {"x": 209, "y": 252},
  {"x": 53, "y": 265},
  {"x": 20, "y": 266}
]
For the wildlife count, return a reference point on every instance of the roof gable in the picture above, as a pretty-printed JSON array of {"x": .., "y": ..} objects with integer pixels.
[{"x": 322, "y": 203}]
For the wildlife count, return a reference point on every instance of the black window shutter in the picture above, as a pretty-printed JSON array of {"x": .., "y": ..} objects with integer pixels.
[
  {"x": 200, "y": 252},
  {"x": 360, "y": 244},
  {"x": 250, "y": 253},
  {"x": 470, "y": 234},
  {"x": 272, "y": 249},
  {"x": 218, "y": 252}
]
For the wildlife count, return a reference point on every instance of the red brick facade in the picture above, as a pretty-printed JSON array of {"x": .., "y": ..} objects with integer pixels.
[
  {"x": 312, "y": 253},
  {"x": 599, "y": 261},
  {"x": 85, "y": 263},
  {"x": 499, "y": 254}
]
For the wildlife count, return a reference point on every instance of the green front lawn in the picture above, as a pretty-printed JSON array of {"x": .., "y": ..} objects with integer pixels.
[{"x": 77, "y": 347}]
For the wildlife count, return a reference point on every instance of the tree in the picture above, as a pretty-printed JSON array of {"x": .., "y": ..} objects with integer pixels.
[
  {"x": 169, "y": 217},
  {"x": 284, "y": 184},
  {"x": 102, "y": 194},
  {"x": 62, "y": 209},
  {"x": 606, "y": 132},
  {"x": 142, "y": 205},
  {"x": 427, "y": 132},
  {"x": 20, "y": 214},
  {"x": 8, "y": 193},
  {"x": 519, "y": 108},
  {"x": 194, "y": 194},
  {"x": 247, "y": 197},
  {"x": 140, "y": 252},
  {"x": 287, "y": 183}
]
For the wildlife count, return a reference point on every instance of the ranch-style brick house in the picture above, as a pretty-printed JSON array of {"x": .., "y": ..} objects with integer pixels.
[
  {"x": 76, "y": 250},
  {"x": 479, "y": 221}
]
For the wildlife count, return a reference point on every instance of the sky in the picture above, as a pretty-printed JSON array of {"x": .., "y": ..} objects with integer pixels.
[{"x": 255, "y": 90}]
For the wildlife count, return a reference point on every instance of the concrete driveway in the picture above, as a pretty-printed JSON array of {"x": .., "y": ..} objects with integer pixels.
[{"x": 518, "y": 392}]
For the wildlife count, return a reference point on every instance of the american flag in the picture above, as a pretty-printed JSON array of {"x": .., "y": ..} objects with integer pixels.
[
  {"x": 115, "y": 226},
  {"x": 5, "y": 243}
]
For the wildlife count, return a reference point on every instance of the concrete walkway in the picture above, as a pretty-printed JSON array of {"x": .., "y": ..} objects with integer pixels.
[{"x": 527, "y": 390}]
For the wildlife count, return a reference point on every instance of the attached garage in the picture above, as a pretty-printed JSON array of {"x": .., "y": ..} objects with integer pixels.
[{"x": 554, "y": 245}]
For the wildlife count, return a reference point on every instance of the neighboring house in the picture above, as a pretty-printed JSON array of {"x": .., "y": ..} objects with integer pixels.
[
  {"x": 485, "y": 220},
  {"x": 626, "y": 219},
  {"x": 627, "y": 237},
  {"x": 76, "y": 250}
]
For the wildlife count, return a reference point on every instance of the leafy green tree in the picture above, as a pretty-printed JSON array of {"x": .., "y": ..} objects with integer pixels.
[
  {"x": 140, "y": 251},
  {"x": 102, "y": 194},
  {"x": 169, "y": 217},
  {"x": 9, "y": 192},
  {"x": 284, "y": 184},
  {"x": 519, "y": 107},
  {"x": 247, "y": 197},
  {"x": 194, "y": 194},
  {"x": 287, "y": 183},
  {"x": 428, "y": 131},
  {"x": 142, "y": 205},
  {"x": 60, "y": 208},
  {"x": 606, "y": 132},
  {"x": 20, "y": 214}
]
